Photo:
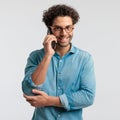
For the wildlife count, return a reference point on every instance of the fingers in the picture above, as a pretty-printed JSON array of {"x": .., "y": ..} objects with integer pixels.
[
  {"x": 38, "y": 92},
  {"x": 35, "y": 91},
  {"x": 28, "y": 98},
  {"x": 40, "y": 99},
  {"x": 49, "y": 50},
  {"x": 31, "y": 100},
  {"x": 49, "y": 39},
  {"x": 33, "y": 104}
]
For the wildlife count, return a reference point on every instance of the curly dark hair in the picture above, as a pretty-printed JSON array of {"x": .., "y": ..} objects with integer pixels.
[{"x": 59, "y": 10}]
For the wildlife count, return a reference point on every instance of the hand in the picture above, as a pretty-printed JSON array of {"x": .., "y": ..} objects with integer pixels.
[
  {"x": 40, "y": 100},
  {"x": 47, "y": 44}
]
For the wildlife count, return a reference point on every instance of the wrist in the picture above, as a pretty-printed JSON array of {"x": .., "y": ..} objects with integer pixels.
[
  {"x": 48, "y": 55},
  {"x": 54, "y": 101}
]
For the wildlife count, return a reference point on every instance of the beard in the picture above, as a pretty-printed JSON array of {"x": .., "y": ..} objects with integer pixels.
[
  {"x": 61, "y": 45},
  {"x": 67, "y": 42}
]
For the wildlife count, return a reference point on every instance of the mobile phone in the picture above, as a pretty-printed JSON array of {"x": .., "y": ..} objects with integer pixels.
[{"x": 53, "y": 44}]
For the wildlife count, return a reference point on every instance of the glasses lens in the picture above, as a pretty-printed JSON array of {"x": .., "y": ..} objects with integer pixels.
[
  {"x": 58, "y": 29},
  {"x": 69, "y": 29}
]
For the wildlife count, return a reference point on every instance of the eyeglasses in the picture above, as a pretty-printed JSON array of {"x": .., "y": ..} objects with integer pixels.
[{"x": 58, "y": 29}]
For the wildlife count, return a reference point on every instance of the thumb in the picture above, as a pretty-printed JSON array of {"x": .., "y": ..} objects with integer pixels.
[{"x": 35, "y": 91}]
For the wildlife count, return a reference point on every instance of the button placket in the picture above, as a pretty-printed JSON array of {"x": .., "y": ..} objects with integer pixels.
[
  {"x": 58, "y": 117},
  {"x": 59, "y": 77}
]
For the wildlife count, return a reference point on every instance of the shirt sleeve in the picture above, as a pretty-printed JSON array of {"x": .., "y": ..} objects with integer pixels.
[
  {"x": 27, "y": 83},
  {"x": 85, "y": 96}
]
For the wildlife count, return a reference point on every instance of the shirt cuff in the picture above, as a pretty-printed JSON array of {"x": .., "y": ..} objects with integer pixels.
[{"x": 64, "y": 101}]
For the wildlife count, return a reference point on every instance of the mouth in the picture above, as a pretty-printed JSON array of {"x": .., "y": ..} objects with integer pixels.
[{"x": 63, "y": 39}]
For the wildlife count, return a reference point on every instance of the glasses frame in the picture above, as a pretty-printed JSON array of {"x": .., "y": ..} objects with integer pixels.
[{"x": 59, "y": 29}]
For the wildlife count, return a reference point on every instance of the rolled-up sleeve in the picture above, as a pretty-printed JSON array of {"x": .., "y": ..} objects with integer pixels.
[
  {"x": 27, "y": 83},
  {"x": 85, "y": 96}
]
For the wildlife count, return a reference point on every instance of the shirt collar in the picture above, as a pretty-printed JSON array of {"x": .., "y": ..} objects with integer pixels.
[{"x": 72, "y": 49}]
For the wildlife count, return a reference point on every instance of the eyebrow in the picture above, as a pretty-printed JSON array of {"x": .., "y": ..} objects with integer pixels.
[{"x": 61, "y": 26}]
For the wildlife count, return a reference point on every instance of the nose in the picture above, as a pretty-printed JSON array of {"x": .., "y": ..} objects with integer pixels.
[{"x": 63, "y": 32}]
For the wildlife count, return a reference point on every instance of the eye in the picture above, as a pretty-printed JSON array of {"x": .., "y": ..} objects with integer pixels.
[
  {"x": 69, "y": 28},
  {"x": 57, "y": 28}
]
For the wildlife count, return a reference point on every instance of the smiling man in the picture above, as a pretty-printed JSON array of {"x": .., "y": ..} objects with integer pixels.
[{"x": 59, "y": 81}]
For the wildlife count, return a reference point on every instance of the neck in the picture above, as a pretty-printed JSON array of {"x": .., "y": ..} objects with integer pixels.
[{"x": 63, "y": 50}]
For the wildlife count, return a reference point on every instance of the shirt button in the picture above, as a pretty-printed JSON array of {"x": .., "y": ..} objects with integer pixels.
[
  {"x": 59, "y": 88},
  {"x": 60, "y": 61}
]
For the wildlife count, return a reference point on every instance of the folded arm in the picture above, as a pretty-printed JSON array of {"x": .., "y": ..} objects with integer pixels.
[{"x": 84, "y": 97}]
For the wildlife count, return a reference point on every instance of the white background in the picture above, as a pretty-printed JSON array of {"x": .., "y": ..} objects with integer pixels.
[{"x": 22, "y": 31}]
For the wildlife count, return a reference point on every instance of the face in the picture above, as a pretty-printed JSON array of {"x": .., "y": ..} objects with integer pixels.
[{"x": 62, "y": 28}]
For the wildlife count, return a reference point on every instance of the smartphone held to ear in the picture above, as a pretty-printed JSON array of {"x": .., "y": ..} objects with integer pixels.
[{"x": 53, "y": 44}]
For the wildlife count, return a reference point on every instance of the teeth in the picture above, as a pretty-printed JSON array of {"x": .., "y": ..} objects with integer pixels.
[{"x": 63, "y": 38}]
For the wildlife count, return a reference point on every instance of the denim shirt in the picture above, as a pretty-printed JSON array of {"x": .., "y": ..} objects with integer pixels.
[{"x": 70, "y": 77}]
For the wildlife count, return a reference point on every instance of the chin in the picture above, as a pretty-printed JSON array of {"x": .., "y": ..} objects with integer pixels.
[{"x": 64, "y": 45}]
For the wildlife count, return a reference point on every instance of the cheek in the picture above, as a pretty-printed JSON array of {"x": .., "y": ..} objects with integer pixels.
[
  {"x": 70, "y": 36},
  {"x": 56, "y": 35}
]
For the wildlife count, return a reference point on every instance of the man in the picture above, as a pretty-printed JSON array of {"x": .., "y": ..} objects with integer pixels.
[{"x": 59, "y": 80}]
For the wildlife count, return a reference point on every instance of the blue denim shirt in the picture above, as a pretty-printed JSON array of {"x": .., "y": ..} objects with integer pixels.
[{"x": 70, "y": 77}]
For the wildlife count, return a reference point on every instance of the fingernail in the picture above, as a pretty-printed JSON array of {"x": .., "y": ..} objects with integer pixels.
[{"x": 33, "y": 90}]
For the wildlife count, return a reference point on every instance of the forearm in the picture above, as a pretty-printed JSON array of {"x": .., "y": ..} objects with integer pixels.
[
  {"x": 38, "y": 76},
  {"x": 72, "y": 101},
  {"x": 77, "y": 100},
  {"x": 54, "y": 101}
]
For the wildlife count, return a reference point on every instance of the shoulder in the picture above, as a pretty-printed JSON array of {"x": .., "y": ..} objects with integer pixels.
[
  {"x": 81, "y": 52},
  {"x": 38, "y": 52},
  {"x": 82, "y": 55},
  {"x": 36, "y": 55}
]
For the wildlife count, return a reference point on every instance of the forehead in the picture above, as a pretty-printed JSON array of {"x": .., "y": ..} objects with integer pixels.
[{"x": 62, "y": 21}]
